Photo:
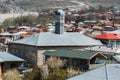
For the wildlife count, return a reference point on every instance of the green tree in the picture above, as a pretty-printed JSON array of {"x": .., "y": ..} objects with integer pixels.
[
  {"x": 8, "y": 22},
  {"x": 43, "y": 21}
]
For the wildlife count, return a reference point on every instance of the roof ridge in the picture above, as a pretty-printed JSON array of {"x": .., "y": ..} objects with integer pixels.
[{"x": 37, "y": 43}]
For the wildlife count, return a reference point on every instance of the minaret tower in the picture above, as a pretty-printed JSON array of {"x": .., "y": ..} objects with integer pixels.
[{"x": 59, "y": 23}]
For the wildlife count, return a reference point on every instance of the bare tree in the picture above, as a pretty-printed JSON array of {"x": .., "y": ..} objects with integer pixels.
[{"x": 54, "y": 62}]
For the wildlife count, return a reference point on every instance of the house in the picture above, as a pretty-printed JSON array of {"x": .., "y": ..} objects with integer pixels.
[
  {"x": 112, "y": 42},
  {"x": 8, "y": 61},
  {"x": 32, "y": 48},
  {"x": 7, "y": 37},
  {"x": 107, "y": 51},
  {"x": 106, "y": 72},
  {"x": 110, "y": 39},
  {"x": 76, "y": 58},
  {"x": 104, "y": 49}
]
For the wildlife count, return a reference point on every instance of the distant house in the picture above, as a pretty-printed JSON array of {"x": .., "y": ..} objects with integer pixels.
[
  {"x": 8, "y": 61},
  {"x": 104, "y": 49},
  {"x": 32, "y": 48},
  {"x": 7, "y": 37},
  {"x": 106, "y": 72},
  {"x": 90, "y": 22},
  {"x": 107, "y": 51},
  {"x": 110, "y": 39}
]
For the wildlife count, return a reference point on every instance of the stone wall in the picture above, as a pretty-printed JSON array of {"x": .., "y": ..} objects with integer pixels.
[
  {"x": 28, "y": 53},
  {"x": 32, "y": 54}
]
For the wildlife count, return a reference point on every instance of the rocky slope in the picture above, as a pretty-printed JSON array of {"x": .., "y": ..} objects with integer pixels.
[{"x": 35, "y": 5}]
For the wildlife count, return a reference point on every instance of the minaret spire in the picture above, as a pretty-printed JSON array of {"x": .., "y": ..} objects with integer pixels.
[{"x": 60, "y": 19}]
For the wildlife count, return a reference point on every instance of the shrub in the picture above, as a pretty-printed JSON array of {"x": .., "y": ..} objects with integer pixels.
[
  {"x": 33, "y": 75},
  {"x": 54, "y": 62},
  {"x": 11, "y": 75}
]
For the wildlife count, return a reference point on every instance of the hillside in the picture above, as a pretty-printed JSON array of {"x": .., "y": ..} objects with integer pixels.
[
  {"x": 35, "y": 5},
  {"x": 103, "y": 2}
]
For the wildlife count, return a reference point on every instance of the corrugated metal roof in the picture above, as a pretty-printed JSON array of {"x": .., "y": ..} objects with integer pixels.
[
  {"x": 113, "y": 71},
  {"x": 7, "y": 57},
  {"x": 72, "y": 54},
  {"x": 52, "y": 39},
  {"x": 104, "y": 49}
]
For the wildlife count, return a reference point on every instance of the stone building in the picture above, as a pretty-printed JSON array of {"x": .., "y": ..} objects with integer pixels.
[{"x": 32, "y": 48}]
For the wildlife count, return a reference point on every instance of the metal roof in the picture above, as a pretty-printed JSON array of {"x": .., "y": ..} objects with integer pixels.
[
  {"x": 7, "y": 57},
  {"x": 52, "y": 39},
  {"x": 105, "y": 49},
  {"x": 72, "y": 54},
  {"x": 117, "y": 57},
  {"x": 115, "y": 31},
  {"x": 5, "y": 34},
  {"x": 108, "y": 36},
  {"x": 112, "y": 70}
]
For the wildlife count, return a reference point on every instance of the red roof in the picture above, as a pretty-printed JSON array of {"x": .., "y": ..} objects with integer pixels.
[
  {"x": 3, "y": 38},
  {"x": 116, "y": 24},
  {"x": 108, "y": 36},
  {"x": 82, "y": 14},
  {"x": 24, "y": 35},
  {"x": 109, "y": 24},
  {"x": 105, "y": 15}
]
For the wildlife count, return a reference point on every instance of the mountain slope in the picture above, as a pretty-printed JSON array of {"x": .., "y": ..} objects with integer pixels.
[{"x": 34, "y": 5}]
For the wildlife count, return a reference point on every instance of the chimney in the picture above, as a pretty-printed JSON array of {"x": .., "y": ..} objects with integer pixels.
[{"x": 59, "y": 23}]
